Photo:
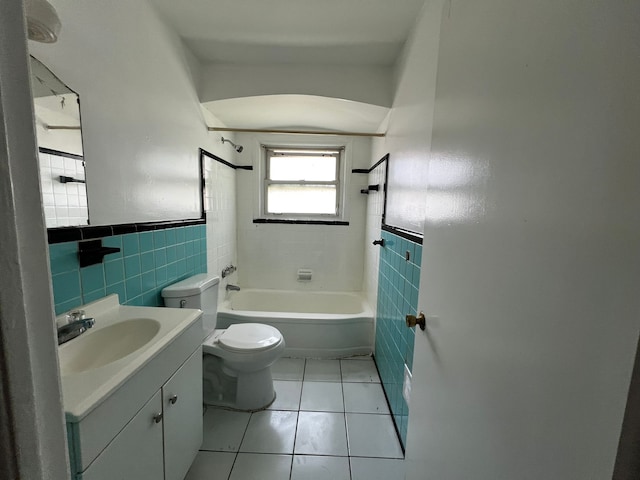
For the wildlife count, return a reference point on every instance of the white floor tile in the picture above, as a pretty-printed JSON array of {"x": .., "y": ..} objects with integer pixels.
[
  {"x": 211, "y": 466},
  {"x": 372, "y": 436},
  {"x": 376, "y": 469},
  {"x": 270, "y": 431},
  {"x": 260, "y": 466},
  {"x": 320, "y": 468},
  {"x": 364, "y": 398},
  {"x": 223, "y": 429},
  {"x": 359, "y": 371},
  {"x": 321, "y": 433},
  {"x": 322, "y": 397},
  {"x": 287, "y": 395},
  {"x": 322, "y": 371},
  {"x": 288, "y": 369}
]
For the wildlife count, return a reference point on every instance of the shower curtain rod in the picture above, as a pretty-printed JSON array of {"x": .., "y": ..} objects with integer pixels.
[
  {"x": 62, "y": 127},
  {"x": 294, "y": 132}
]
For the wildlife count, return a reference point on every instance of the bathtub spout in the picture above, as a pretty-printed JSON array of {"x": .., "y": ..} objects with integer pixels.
[{"x": 234, "y": 288}]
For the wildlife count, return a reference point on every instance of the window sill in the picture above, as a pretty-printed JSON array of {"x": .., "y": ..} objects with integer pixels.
[{"x": 299, "y": 221}]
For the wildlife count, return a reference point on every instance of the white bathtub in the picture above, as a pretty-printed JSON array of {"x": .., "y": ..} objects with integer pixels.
[{"x": 314, "y": 324}]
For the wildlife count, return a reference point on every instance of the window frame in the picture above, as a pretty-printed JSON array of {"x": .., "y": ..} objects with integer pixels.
[{"x": 336, "y": 152}]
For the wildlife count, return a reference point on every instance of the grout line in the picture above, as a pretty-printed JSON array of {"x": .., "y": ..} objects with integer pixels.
[
  {"x": 344, "y": 412},
  {"x": 346, "y": 430},
  {"x": 295, "y": 435},
  {"x": 233, "y": 465},
  {"x": 244, "y": 434}
]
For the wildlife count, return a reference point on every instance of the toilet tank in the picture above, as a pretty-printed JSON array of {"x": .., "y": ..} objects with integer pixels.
[{"x": 199, "y": 291}]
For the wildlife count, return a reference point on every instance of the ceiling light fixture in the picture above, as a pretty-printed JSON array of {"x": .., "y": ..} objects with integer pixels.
[{"x": 43, "y": 23}]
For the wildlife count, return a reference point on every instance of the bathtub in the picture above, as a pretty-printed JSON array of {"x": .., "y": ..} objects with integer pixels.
[{"x": 313, "y": 324}]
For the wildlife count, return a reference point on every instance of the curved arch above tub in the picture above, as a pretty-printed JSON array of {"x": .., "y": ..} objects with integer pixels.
[{"x": 298, "y": 111}]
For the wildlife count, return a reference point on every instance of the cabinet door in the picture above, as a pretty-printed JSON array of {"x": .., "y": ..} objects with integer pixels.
[
  {"x": 136, "y": 452},
  {"x": 182, "y": 406}
]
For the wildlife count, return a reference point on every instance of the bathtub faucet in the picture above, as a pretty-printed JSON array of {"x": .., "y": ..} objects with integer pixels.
[
  {"x": 228, "y": 270},
  {"x": 234, "y": 288}
]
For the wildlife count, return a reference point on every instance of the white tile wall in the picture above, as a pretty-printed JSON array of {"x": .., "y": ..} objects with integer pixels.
[
  {"x": 64, "y": 204},
  {"x": 220, "y": 206},
  {"x": 270, "y": 255},
  {"x": 375, "y": 206}
]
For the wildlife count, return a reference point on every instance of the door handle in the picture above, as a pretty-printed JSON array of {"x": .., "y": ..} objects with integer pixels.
[
  {"x": 412, "y": 321},
  {"x": 157, "y": 418},
  {"x": 173, "y": 399}
]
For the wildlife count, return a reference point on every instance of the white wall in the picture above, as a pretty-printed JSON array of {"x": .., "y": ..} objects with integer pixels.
[
  {"x": 408, "y": 138},
  {"x": 365, "y": 84},
  {"x": 141, "y": 118},
  {"x": 69, "y": 141},
  {"x": 532, "y": 243},
  {"x": 270, "y": 255}
]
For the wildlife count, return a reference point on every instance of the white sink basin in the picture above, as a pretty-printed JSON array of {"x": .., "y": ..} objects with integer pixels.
[
  {"x": 122, "y": 341},
  {"x": 95, "y": 349}
]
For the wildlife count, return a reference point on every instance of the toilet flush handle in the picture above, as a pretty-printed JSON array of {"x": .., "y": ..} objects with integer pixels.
[{"x": 183, "y": 303}]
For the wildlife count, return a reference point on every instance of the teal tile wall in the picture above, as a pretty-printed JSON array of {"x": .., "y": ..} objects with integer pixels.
[
  {"x": 147, "y": 262},
  {"x": 398, "y": 284}
]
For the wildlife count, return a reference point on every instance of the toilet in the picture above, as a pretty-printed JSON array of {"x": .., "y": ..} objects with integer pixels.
[{"x": 236, "y": 360}]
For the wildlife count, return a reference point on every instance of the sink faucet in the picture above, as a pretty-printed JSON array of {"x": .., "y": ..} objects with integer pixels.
[
  {"x": 234, "y": 288},
  {"x": 77, "y": 325}
]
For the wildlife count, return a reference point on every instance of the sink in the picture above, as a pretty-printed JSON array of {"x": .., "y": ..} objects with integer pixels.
[
  {"x": 102, "y": 346},
  {"x": 97, "y": 366}
]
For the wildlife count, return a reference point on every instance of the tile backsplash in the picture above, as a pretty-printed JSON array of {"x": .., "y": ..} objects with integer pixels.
[
  {"x": 398, "y": 284},
  {"x": 147, "y": 262}
]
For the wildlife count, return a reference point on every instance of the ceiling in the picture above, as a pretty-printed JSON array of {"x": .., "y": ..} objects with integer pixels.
[{"x": 293, "y": 32}]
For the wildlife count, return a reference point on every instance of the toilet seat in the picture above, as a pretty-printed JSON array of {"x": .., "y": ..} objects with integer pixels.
[{"x": 248, "y": 337}]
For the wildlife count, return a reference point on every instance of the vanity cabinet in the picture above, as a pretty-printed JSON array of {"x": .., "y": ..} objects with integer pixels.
[
  {"x": 182, "y": 418},
  {"x": 170, "y": 422},
  {"x": 136, "y": 452},
  {"x": 151, "y": 427}
]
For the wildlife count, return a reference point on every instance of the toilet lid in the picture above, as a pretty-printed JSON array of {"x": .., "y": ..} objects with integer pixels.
[{"x": 249, "y": 337}]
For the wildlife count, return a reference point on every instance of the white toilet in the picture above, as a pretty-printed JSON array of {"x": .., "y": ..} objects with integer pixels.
[{"x": 237, "y": 360}]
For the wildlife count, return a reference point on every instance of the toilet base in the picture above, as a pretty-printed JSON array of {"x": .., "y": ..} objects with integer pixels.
[{"x": 245, "y": 391}]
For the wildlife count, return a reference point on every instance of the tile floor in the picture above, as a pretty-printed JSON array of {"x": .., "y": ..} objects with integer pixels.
[{"x": 330, "y": 421}]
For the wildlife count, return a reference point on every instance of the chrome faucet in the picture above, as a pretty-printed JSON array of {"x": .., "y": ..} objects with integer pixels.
[
  {"x": 228, "y": 270},
  {"x": 76, "y": 325},
  {"x": 233, "y": 288}
]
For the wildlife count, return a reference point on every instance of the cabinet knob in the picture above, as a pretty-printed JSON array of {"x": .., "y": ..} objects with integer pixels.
[
  {"x": 173, "y": 399},
  {"x": 157, "y": 417}
]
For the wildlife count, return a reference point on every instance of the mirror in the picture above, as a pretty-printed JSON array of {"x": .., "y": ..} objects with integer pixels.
[{"x": 59, "y": 133}]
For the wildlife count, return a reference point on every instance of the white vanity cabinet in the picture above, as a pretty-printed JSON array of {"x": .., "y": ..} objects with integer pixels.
[
  {"x": 182, "y": 420},
  {"x": 151, "y": 427},
  {"x": 136, "y": 452}
]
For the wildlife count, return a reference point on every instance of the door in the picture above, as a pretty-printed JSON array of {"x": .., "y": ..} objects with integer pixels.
[
  {"x": 136, "y": 452},
  {"x": 182, "y": 407},
  {"x": 531, "y": 256}
]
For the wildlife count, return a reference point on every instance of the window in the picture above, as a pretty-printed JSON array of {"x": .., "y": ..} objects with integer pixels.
[{"x": 302, "y": 183}]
